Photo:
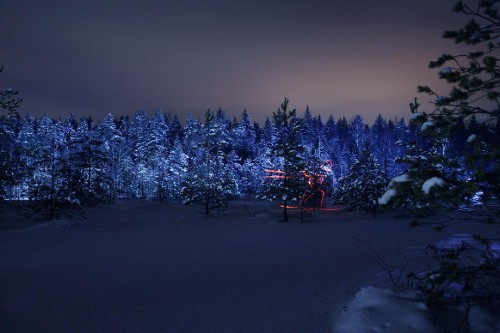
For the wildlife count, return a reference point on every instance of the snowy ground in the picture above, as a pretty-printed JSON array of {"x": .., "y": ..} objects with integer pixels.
[{"x": 142, "y": 267}]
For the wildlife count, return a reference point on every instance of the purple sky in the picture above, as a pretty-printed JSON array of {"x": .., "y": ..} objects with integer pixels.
[{"x": 183, "y": 56}]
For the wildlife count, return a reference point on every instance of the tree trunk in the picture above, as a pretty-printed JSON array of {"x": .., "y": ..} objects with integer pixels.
[
  {"x": 285, "y": 211},
  {"x": 207, "y": 205}
]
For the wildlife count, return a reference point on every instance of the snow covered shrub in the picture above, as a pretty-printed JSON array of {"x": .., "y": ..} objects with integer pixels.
[
  {"x": 362, "y": 187},
  {"x": 210, "y": 187},
  {"x": 463, "y": 275},
  {"x": 429, "y": 181}
]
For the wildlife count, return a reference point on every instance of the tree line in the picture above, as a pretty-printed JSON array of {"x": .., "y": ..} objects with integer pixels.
[
  {"x": 446, "y": 157},
  {"x": 82, "y": 162}
]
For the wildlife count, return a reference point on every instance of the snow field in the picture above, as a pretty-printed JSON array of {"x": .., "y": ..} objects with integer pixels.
[{"x": 142, "y": 267}]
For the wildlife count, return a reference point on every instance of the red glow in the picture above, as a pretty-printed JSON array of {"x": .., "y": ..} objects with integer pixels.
[
  {"x": 276, "y": 174},
  {"x": 331, "y": 209},
  {"x": 274, "y": 171},
  {"x": 314, "y": 182}
]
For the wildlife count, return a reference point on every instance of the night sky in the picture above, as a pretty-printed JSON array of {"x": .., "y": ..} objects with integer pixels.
[{"x": 183, "y": 56}]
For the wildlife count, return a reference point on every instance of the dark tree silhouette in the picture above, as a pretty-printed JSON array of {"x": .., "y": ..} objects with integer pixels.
[
  {"x": 474, "y": 96},
  {"x": 8, "y": 99},
  {"x": 466, "y": 181}
]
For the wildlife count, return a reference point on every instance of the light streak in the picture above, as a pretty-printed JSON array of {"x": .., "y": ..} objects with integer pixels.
[
  {"x": 280, "y": 174},
  {"x": 274, "y": 171},
  {"x": 314, "y": 184}
]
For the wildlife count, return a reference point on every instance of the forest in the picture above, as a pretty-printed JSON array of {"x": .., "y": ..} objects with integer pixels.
[
  {"x": 444, "y": 157},
  {"x": 441, "y": 162},
  {"x": 60, "y": 164}
]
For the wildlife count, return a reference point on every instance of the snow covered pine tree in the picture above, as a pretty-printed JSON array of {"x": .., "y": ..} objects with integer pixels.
[
  {"x": 475, "y": 96},
  {"x": 286, "y": 183},
  {"x": 362, "y": 187},
  {"x": 208, "y": 180},
  {"x": 464, "y": 277}
]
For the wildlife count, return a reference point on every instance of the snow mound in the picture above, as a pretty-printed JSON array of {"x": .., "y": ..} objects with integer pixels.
[{"x": 383, "y": 310}]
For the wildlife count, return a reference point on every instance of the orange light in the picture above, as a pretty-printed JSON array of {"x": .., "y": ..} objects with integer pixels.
[
  {"x": 274, "y": 171},
  {"x": 277, "y": 177},
  {"x": 314, "y": 182}
]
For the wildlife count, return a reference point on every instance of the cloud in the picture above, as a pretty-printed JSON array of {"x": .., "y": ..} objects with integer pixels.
[{"x": 184, "y": 56}]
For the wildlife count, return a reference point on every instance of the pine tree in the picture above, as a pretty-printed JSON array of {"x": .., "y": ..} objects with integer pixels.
[
  {"x": 317, "y": 175},
  {"x": 342, "y": 129},
  {"x": 10, "y": 161},
  {"x": 380, "y": 134},
  {"x": 141, "y": 153},
  {"x": 286, "y": 183},
  {"x": 469, "y": 272},
  {"x": 115, "y": 149},
  {"x": 158, "y": 146},
  {"x": 46, "y": 156},
  {"x": 50, "y": 187},
  {"x": 88, "y": 159},
  {"x": 250, "y": 176},
  {"x": 362, "y": 186},
  {"x": 127, "y": 183},
  {"x": 330, "y": 128},
  {"x": 176, "y": 131},
  {"x": 176, "y": 169},
  {"x": 25, "y": 143},
  {"x": 308, "y": 132},
  {"x": 359, "y": 135},
  {"x": 208, "y": 180},
  {"x": 9, "y": 100},
  {"x": 420, "y": 190},
  {"x": 244, "y": 138},
  {"x": 386, "y": 148},
  {"x": 475, "y": 80}
]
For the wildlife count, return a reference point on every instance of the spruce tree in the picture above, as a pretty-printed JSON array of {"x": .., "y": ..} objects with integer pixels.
[
  {"x": 175, "y": 170},
  {"x": 208, "y": 180},
  {"x": 11, "y": 163},
  {"x": 244, "y": 138},
  {"x": 362, "y": 186},
  {"x": 88, "y": 159},
  {"x": 10, "y": 103},
  {"x": 421, "y": 189},
  {"x": 9, "y": 100},
  {"x": 285, "y": 182},
  {"x": 113, "y": 142}
]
